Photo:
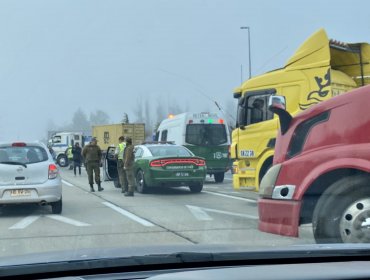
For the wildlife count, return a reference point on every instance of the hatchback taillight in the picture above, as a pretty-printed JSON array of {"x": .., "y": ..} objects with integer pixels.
[{"x": 53, "y": 171}]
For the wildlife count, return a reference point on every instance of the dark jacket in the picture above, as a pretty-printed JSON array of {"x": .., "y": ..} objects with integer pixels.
[
  {"x": 77, "y": 154},
  {"x": 129, "y": 157}
]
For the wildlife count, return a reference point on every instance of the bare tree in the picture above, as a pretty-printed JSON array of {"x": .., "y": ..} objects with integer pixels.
[{"x": 99, "y": 117}]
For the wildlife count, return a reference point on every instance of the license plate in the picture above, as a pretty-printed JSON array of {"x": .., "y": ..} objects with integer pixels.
[
  {"x": 182, "y": 174},
  {"x": 20, "y": 192}
]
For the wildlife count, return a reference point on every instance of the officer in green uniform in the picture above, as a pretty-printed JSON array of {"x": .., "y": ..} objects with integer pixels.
[
  {"x": 119, "y": 155},
  {"x": 92, "y": 155},
  {"x": 129, "y": 159}
]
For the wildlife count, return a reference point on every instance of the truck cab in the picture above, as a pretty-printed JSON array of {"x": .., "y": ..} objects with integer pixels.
[
  {"x": 321, "y": 171},
  {"x": 319, "y": 70}
]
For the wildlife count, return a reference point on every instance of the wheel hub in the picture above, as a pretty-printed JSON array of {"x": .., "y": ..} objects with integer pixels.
[{"x": 355, "y": 222}]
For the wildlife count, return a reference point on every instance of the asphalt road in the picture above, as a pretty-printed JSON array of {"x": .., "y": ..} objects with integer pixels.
[{"x": 175, "y": 216}]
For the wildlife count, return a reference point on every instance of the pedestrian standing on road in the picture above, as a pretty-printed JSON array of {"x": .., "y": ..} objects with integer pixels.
[
  {"x": 119, "y": 152},
  {"x": 77, "y": 158},
  {"x": 92, "y": 155},
  {"x": 129, "y": 159}
]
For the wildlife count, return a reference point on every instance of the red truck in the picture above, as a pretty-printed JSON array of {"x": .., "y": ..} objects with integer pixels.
[{"x": 321, "y": 171}]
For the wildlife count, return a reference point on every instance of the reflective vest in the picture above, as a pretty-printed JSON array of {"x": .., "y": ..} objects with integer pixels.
[
  {"x": 122, "y": 147},
  {"x": 69, "y": 153}
]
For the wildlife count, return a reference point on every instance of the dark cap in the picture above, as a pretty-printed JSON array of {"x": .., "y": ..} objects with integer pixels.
[
  {"x": 129, "y": 140},
  {"x": 94, "y": 139},
  {"x": 121, "y": 138}
]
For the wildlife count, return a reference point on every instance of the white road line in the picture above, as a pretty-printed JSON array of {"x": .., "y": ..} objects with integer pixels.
[
  {"x": 199, "y": 213},
  {"x": 67, "y": 220},
  {"x": 25, "y": 222},
  {"x": 67, "y": 183},
  {"x": 233, "y": 197},
  {"x": 129, "y": 215},
  {"x": 230, "y": 179}
]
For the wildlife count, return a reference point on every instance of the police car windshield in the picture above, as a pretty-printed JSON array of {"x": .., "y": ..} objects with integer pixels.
[
  {"x": 176, "y": 151},
  {"x": 206, "y": 134}
]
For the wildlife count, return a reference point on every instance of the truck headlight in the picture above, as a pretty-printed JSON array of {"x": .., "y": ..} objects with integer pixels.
[{"x": 268, "y": 181}]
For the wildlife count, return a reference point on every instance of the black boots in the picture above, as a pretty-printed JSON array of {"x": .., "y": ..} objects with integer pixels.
[
  {"x": 99, "y": 188},
  {"x": 129, "y": 194}
]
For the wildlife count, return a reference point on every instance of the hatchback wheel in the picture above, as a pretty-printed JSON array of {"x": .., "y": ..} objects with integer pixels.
[
  {"x": 56, "y": 207},
  {"x": 140, "y": 182},
  {"x": 196, "y": 188}
]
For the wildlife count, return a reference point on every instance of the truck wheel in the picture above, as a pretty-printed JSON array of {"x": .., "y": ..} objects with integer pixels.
[
  {"x": 62, "y": 161},
  {"x": 56, "y": 207},
  {"x": 196, "y": 188},
  {"x": 141, "y": 187},
  {"x": 342, "y": 212},
  {"x": 219, "y": 177}
]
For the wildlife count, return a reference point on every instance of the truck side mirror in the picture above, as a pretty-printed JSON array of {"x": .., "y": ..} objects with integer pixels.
[
  {"x": 277, "y": 105},
  {"x": 277, "y": 102}
]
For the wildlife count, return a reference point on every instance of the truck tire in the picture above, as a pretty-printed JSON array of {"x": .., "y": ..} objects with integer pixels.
[
  {"x": 219, "y": 177},
  {"x": 62, "y": 160},
  {"x": 341, "y": 213}
]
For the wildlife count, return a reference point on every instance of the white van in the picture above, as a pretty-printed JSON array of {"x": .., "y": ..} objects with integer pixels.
[{"x": 205, "y": 134}]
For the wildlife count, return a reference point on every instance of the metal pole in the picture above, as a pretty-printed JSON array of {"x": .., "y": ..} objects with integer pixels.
[{"x": 249, "y": 49}]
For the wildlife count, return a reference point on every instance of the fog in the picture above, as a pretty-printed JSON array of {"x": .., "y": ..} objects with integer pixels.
[{"x": 60, "y": 56}]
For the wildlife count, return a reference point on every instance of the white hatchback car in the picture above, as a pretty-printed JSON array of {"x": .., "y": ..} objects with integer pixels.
[{"x": 28, "y": 174}]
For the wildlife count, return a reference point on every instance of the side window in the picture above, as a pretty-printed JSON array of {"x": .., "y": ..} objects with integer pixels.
[
  {"x": 164, "y": 135},
  {"x": 257, "y": 109},
  {"x": 139, "y": 153}
]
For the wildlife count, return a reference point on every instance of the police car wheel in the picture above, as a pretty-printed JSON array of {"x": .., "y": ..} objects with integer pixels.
[
  {"x": 62, "y": 161},
  {"x": 196, "y": 188},
  {"x": 140, "y": 182}
]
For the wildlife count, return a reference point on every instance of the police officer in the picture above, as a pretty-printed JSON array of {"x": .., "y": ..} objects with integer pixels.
[
  {"x": 119, "y": 155},
  {"x": 92, "y": 155},
  {"x": 129, "y": 159}
]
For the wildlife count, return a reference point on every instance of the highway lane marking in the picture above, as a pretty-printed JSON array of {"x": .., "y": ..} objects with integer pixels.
[
  {"x": 129, "y": 215},
  {"x": 201, "y": 213},
  {"x": 25, "y": 222},
  {"x": 67, "y": 183},
  {"x": 233, "y": 197},
  {"x": 67, "y": 220}
]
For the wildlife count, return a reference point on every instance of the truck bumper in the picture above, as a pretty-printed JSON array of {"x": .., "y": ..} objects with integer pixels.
[
  {"x": 279, "y": 216},
  {"x": 244, "y": 178}
]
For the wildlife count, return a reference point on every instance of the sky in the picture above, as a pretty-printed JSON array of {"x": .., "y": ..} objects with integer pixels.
[{"x": 58, "y": 56}]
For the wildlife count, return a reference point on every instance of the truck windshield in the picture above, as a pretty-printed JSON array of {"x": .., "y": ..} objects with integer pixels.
[{"x": 206, "y": 134}]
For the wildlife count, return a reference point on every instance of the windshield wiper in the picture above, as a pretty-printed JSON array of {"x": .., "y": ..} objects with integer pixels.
[{"x": 14, "y": 163}]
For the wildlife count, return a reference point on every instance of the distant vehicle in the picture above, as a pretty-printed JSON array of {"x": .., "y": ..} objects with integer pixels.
[
  {"x": 107, "y": 135},
  {"x": 205, "y": 134},
  {"x": 319, "y": 70},
  {"x": 321, "y": 171},
  {"x": 29, "y": 175},
  {"x": 61, "y": 141},
  {"x": 161, "y": 165}
]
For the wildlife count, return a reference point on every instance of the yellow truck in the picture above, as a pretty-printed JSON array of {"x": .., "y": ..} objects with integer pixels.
[
  {"x": 318, "y": 70},
  {"x": 107, "y": 135}
]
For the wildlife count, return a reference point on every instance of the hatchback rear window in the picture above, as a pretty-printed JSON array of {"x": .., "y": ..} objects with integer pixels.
[
  {"x": 25, "y": 154},
  {"x": 175, "y": 151}
]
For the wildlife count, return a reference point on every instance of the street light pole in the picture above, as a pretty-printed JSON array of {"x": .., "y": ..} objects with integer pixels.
[{"x": 249, "y": 49}]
